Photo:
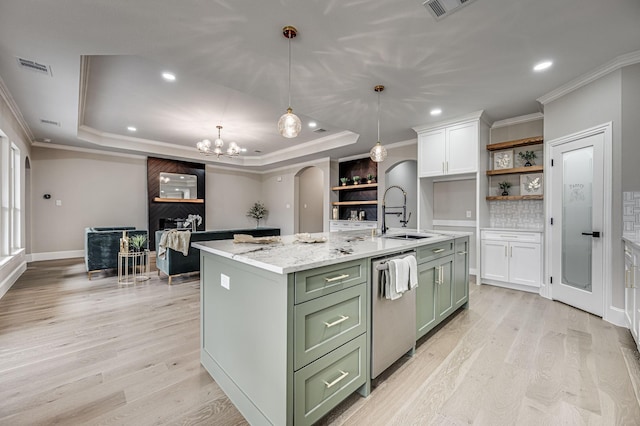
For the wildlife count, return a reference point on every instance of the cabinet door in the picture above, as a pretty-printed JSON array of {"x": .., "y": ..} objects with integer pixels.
[
  {"x": 431, "y": 153},
  {"x": 525, "y": 264},
  {"x": 462, "y": 148},
  {"x": 461, "y": 272},
  {"x": 426, "y": 298},
  {"x": 629, "y": 293},
  {"x": 444, "y": 288},
  {"x": 495, "y": 263}
]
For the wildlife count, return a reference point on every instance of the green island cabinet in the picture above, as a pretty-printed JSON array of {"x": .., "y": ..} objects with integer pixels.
[{"x": 287, "y": 348}]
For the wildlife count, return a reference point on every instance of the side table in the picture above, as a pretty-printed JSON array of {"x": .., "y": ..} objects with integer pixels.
[{"x": 133, "y": 266}]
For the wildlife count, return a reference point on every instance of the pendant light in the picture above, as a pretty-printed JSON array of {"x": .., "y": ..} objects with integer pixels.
[
  {"x": 378, "y": 153},
  {"x": 289, "y": 124}
]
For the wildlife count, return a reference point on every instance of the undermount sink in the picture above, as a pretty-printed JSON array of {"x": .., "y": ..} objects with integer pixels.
[{"x": 408, "y": 236}]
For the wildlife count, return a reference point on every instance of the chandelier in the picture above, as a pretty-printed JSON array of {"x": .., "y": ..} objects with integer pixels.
[
  {"x": 289, "y": 124},
  {"x": 378, "y": 153},
  {"x": 207, "y": 148}
]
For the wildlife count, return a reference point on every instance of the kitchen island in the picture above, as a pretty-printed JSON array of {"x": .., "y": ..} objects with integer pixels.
[{"x": 285, "y": 327}]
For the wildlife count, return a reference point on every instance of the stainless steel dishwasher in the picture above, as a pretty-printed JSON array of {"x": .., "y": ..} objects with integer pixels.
[{"x": 393, "y": 322}]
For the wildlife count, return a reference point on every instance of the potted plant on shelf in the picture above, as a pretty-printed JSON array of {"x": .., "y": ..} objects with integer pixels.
[
  {"x": 194, "y": 220},
  {"x": 505, "y": 188},
  {"x": 370, "y": 178},
  {"x": 137, "y": 242},
  {"x": 356, "y": 180},
  {"x": 344, "y": 181},
  {"x": 257, "y": 212},
  {"x": 527, "y": 157}
]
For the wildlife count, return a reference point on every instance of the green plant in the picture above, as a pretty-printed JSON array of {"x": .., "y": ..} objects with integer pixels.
[
  {"x": 504, "y": 185},
  {"x": 138, "y": 241},
  {"x": 355, "y": 179},
  {"x": 370, "y": 176},
  {"x": 527, "y": 155},
  {"x": 344, "y": 180},
  {"x": 257, "y": 212}
]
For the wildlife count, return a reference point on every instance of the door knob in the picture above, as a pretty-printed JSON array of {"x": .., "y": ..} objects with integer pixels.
[{"x": 594, "y": 234}]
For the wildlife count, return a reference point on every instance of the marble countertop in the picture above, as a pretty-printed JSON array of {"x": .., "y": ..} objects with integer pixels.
[
  {"x": 290, "y": 256},
  {"x": 632, "y": 239}
]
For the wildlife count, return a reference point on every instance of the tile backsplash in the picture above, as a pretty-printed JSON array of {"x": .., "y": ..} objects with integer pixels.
[
  {"x": 525, "y": 214},
  {"x": 631, "y": 213}
]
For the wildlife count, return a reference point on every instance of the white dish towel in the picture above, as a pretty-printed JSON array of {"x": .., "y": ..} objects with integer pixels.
[{"x": 403, "y": 276}]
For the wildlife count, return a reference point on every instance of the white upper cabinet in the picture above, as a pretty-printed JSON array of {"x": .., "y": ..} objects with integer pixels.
[{"x": 448, "y": 150}]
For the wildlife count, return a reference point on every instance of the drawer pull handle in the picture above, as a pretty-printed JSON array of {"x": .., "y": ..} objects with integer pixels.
[
  {"x": 343, "y": 318},
  {"x": 343, "y": 374},
  {"x": 462, "y": 253},
  {"x": 339, "y": 277},
  {"x": 440, "y": 250}
]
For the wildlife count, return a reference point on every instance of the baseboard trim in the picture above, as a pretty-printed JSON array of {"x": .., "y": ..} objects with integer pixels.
[
  {"x": 10, "y": 280},
  {"x": 55, "y": 255},
  {"x": 615, "y": 316}
]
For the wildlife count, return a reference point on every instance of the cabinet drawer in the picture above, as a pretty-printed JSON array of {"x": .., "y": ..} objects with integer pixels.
[
  {"x": 328, "y": 279},
  {"x": 435, "y": 251},
  {"x": 527, "y": 237},
  {"x": 322, "y": 385},
  {"x": 325, "y": 323}
]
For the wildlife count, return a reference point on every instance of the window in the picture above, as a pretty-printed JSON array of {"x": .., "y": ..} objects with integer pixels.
[{"x": 10, "y": 200}]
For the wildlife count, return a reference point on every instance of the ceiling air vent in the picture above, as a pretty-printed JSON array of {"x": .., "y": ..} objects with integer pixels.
[
  {"x": 34, "y": 66},
  {"x": 442, "y": 8},
  {"x": 51, "y": 122},
  {"x": 319, "y": 130}
]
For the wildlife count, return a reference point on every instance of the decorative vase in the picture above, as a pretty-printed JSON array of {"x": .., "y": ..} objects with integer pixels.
[
  {"x": 505, "y": 193},
  {"x": 369, "y": 181},
  {"x": 528, "y": 164},
  {"x": 344, "y": 183}
]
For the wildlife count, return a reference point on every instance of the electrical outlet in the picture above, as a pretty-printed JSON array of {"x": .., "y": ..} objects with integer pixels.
[
  {"x": 58, "y": 203},
  {"x": 225, "y": 281},
  {"x": 468, "y": 213}
]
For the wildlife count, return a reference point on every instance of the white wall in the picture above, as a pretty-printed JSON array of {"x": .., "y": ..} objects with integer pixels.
[
  {"x": 594, "y": 104},
  {"x": 229, "y": 195},
  {"x": 630, "y": 128},
  {"x": 93, "y": 189},
  {"x": 310, "y": 201}
]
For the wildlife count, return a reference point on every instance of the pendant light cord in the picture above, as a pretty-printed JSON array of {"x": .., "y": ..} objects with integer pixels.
[
  {"x": 378, "y": 117},
  {"x": 289, "y": 38}
]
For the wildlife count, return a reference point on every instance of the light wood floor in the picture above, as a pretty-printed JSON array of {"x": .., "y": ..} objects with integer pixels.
[{"x": 74, "y": 351}]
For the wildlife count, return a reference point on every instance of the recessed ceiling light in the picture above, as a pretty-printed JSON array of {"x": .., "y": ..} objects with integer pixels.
[
  {"x": 312, "y": 124},
  {"x": 436, "y": 111},
  {"x": 169, "y": 76},
  {"x": 131, "y": 129},
  {"x": 541, "y": 66}
]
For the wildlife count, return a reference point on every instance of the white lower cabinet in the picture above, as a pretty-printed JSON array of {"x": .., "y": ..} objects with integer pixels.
[
  {"x": 511, "y": 257},
  {"x": 632, "y": 290},
  {"x": 351, "y": 225}
]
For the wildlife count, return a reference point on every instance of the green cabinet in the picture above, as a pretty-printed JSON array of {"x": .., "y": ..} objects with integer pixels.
[
  {"x": 461, "y": 272},
  {"x": 443, "y": 282}
]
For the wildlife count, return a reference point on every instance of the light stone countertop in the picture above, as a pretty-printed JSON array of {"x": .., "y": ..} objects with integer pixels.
[
  {"x": 291, "y": 256},
  {"x": 632, "y": 239}
]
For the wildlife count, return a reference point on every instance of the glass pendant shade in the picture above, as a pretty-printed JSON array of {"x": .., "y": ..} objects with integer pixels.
[
  {"x": 378, "y": 153},
  {"x": 289, "y": 124}
]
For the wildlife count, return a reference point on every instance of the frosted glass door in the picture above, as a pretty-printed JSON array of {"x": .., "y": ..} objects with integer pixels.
[
  {"x": 577, "y": 199},
  {"x": 577, "y": 218}
]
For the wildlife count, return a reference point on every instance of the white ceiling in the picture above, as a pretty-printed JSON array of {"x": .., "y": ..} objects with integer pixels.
[{"x": 230, "y": 58}]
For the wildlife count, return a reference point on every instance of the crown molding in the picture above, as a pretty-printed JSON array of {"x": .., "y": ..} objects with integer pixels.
[
  {"x": 85, "y": 69},
  {"x": 518, "y": 120},
  {"x": 88, "y": 150},
  {"x": 477, "y": 115},
  {"x": 619, "y": 62},
  {"x": 15, "y": 111}
]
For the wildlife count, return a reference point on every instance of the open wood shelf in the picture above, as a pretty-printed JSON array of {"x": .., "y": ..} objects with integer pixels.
[
  {"x": 355, "y": 187},
  {"x": 179, "y": 200},
  {"x": 516, "y": 143},
  {"x": 514, "y": 197},
  {"x": 515, "y": 170},
  {"x": 354, "y": 203}
]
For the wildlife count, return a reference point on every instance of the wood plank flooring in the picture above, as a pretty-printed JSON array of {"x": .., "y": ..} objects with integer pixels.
[{"x": 74, "y": 351}]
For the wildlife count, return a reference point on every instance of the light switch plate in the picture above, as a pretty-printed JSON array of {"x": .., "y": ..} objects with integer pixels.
[
  {"x": 468, "y": 213},
  {"x": 225, "y": 281}
]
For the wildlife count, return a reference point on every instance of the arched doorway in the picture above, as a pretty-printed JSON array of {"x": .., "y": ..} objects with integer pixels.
[
  {"x": 309, "y": 193},
  {"x": 405, "y": 175}
]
